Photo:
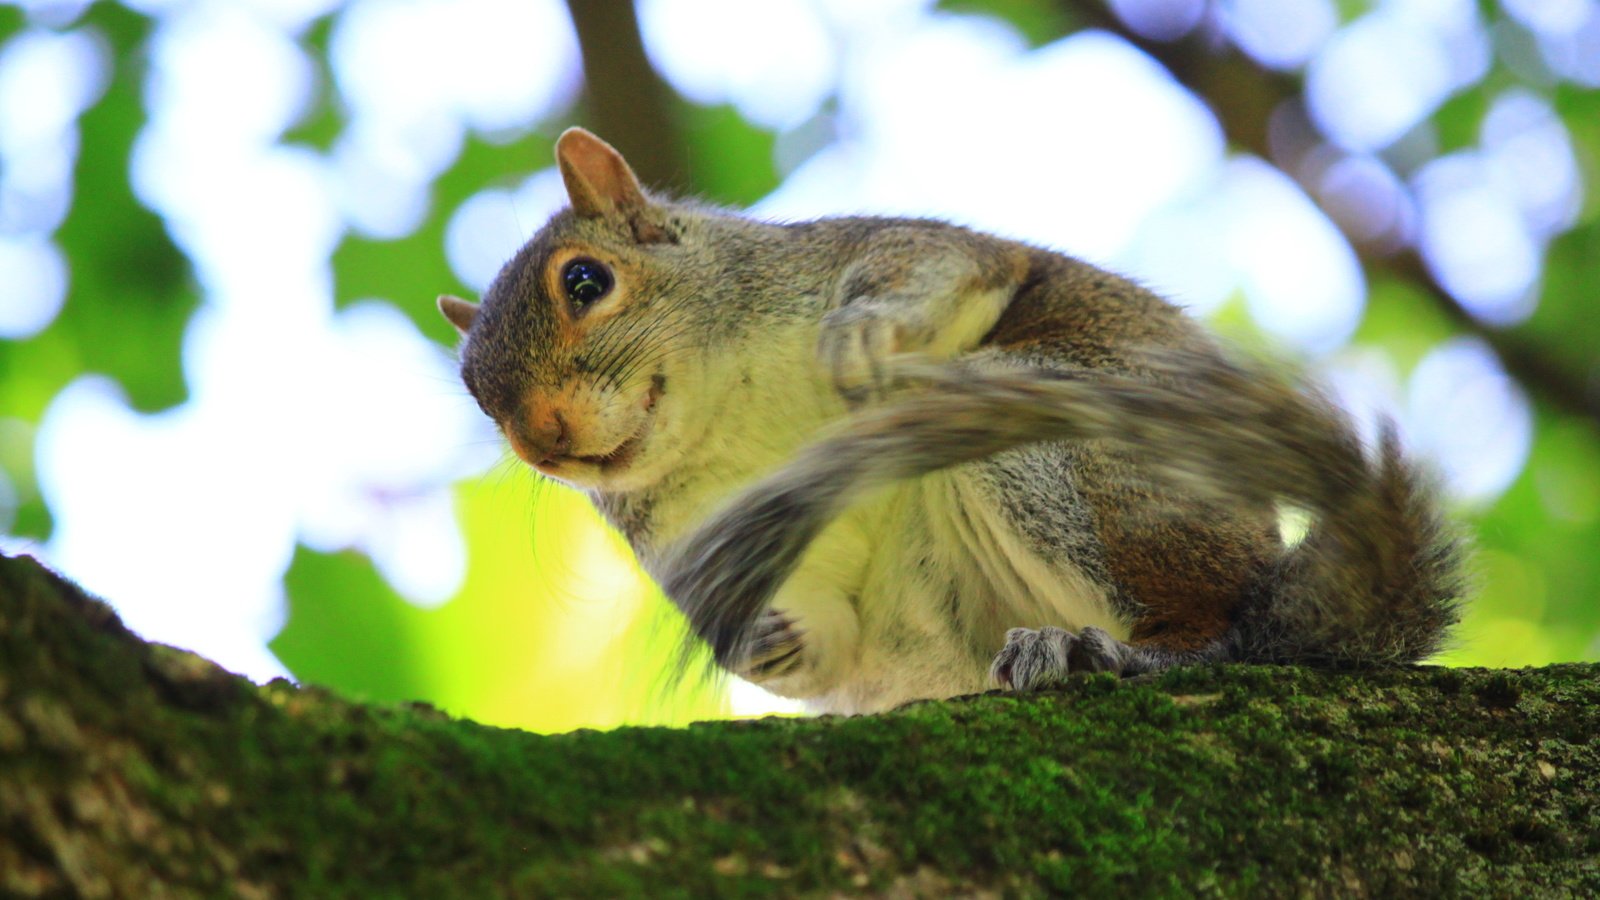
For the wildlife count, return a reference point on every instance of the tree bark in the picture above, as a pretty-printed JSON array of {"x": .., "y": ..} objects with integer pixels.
[
  {"x": 625, "y": 101},
  {"x": 132, "y": 769}
]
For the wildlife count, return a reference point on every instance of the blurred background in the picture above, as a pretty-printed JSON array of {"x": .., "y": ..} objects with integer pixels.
[{"x": 228, "y": 405}]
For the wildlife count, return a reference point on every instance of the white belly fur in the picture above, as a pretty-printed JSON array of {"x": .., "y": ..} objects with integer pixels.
[{"x": 934, "y": 576}]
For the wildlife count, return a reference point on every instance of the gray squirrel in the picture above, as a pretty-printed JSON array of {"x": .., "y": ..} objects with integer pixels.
[{"x": 875, "y": 459}]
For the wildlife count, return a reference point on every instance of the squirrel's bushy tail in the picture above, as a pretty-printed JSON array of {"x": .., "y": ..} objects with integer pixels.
[{"x": 1377, "y": 579}]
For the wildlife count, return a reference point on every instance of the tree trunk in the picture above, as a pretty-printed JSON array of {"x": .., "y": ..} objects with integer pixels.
[{"x": 132, "y": 769}]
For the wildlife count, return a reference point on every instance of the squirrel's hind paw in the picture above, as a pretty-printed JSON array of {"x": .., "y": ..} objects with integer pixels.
[{"x": 1034, "y": 659}]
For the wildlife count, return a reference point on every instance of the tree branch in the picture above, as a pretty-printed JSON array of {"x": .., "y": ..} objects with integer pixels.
[
  {"x": 129, "y": 769},
  {"x": 627, "y": 102},
  {"x": 1243, "y": 96}
]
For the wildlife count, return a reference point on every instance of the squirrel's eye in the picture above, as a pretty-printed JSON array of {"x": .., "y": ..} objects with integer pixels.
[{"x": 586, "y": 281}]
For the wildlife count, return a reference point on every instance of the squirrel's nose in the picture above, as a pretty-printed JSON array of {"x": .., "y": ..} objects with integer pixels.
[{"x": 540, "y": 439}]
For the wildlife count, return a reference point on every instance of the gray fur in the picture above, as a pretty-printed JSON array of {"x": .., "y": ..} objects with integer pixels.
[
  {"x": 1377, "y": 580},
  {"x": 1046, "y": 511},
  {"x": 1033, "y": 659}
]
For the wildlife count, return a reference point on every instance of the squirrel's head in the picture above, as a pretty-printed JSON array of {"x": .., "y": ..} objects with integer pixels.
[{"x": 573, "y": 352}]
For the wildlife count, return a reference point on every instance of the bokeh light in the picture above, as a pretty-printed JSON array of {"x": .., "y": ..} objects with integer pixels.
[
  {"x": 492, "y": 224},
  {"x": 1281, "y": 34},
  {"x": 774, "y": 61},
  {"x": 1470, "y": 418},
  {"x": 33, "y": 285}
]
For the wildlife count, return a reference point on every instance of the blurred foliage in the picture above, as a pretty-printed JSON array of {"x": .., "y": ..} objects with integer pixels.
[
  {"x": 1040, "y": 21},
  {"x": 731, "y": 160},
  {"x": 525, "y": 642},
  {"x": 412, "y": 269},
  {"x": 549, "y": 590},
  {"x": 128, "y": 279}
]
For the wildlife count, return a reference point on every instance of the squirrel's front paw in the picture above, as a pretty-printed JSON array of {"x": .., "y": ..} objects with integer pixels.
[
  {"x": 1033, "y": 659},
  {"x": 855, "y": 346},
  {"x": 775, "y": 648}
]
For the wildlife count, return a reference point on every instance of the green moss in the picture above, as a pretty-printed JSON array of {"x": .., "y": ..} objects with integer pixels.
[{"x": 131, "y": 769}]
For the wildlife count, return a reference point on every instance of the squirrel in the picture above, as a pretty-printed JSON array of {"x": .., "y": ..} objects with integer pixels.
[{"x": 874, "y": 460}]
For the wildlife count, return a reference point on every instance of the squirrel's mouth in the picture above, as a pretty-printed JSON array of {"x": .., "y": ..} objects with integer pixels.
[{"x": 621, "y": 456}]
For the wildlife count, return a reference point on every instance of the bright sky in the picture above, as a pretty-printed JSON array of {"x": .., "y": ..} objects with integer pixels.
[{"x": 1083, "y": 144}]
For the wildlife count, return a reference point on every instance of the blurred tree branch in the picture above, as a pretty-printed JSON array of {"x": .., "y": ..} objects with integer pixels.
[
  {"x": 631, "y": 107},
  {"x": 626, "y": 101},
  {"x": 1243, "y": 97}
]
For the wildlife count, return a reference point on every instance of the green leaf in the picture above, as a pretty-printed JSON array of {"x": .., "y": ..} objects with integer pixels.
[
  {"x": 730, "y": 160},
  {"x": 1535, "y": 565},
  {"x": 1040, "y": 21},
  {"x": 1564, "y": 327},
  {"x": 1458, "y": 119},
  {"x": 131, "y": 292},
  {"x": 324, "y": 117},
  {"x": 348, "y": 629},
  {"x": 1403, "y": 320}
]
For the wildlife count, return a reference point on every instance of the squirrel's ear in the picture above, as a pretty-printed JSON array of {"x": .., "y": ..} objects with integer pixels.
[
  {"x": 460, "y": 312},
  {"x": 599, "y": 182}
]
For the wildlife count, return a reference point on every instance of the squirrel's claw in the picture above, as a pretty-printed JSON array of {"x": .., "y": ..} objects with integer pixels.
[
  {"x": 775, "y": 647},
  {"x": 855, "y": 347},
  {"x": 1034, "y": 659}
]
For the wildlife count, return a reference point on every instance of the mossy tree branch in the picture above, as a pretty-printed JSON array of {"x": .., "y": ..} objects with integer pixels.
[{"x": 132, "y": 769}]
